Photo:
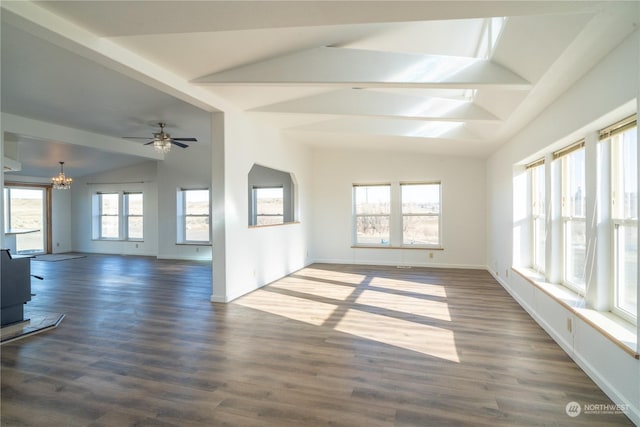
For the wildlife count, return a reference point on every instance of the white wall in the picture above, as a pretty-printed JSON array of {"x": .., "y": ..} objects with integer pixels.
[
  {"x": 188, "y": 168},
  {"x": 61, "y": 221},
  {"x": 603, "y": 95},
  {"x": 257, "y": 256},
  {"x": 463, "y": 206}
]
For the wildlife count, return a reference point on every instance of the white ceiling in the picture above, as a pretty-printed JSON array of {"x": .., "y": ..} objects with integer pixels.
[{"x": 455, "y": 78}]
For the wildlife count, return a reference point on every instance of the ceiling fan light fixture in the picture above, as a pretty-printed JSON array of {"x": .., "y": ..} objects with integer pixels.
[
  {"x": 61, "y": 182},
  {"x": 162, "y": 143}
]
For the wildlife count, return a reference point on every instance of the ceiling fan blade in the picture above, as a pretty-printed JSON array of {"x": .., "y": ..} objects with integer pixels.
[
  {"x": 135, "y": 137},
  {"x": 149, "y": 143},
  {"x": 185, "y": 139},
  {"x": 179, "y": 144}
]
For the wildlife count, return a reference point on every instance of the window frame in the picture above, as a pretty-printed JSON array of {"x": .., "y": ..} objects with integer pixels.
[
  {"x": 568, "y": 215},
  {"x": 101, "y": 215},
  {"x": 256, "y": 206},
  {"x": 183, "y": 217},
  {"x": 356, "y": 216},
  {"x": 45, "y": 229},
  {"x": 122, "y": 216},
  {"x": 127, "y": 215},
  {"x": 538, "y": 215},
  {"x": 620, "y": 218},
  {"x": 438, "y": 215}
]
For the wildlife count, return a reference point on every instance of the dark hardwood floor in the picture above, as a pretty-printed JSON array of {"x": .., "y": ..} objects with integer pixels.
[{"x": 329, "y": 345}]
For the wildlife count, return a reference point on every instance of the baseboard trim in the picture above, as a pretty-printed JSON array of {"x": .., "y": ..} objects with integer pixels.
[{"x": 400, "y": 264}]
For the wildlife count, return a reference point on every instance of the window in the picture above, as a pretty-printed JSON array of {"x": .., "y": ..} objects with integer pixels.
[
  {"x": 119, "y": 216},
  {"x": 538, "y": 216},
  {"x": 420, "y": 214},
  {"x": 272, "y": 195},
  {"x": 573, "y": 216},
  {"x": 624, "y": 209},
  {"x": 269, "y": 206},
  {"x": 133, "y": 212},
  {"x": 371, "y": 214},
  {"x": 109, "y": 215},
  {"x": 591, "y": 237},
  {"x": 25, "y": 211},
  {"x": 193, "y": 214}
]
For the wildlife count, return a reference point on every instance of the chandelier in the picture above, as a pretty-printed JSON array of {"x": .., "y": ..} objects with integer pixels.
[{"x": 61, "y": 182}]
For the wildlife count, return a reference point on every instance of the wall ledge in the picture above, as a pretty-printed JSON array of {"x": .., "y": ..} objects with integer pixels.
[{"x": 615, "y": 329}]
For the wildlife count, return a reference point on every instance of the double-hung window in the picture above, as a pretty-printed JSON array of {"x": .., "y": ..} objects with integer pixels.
[
  {"x": 268, "y": 205},
  {"x": 538, "y": 215},
  {"x": 371, "y": 214},
  {"x": 624, "y": 209},
  {"x": 133, "y": 208},
  {"x": 119, "y": 216},
  {"x": 421, "y": 214},
  {"x": 573, "y": 215},
  {"x": 109, "y": 212},
  {"x": 193, "y": 216}
]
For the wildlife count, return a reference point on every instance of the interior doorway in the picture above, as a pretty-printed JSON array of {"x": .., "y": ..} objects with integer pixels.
[{"x": 27, "y": 218}]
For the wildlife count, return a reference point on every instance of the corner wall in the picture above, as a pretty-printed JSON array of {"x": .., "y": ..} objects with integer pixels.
[
  {"x": 254, "y": 257},
  {"x": 596, "y": 100}
]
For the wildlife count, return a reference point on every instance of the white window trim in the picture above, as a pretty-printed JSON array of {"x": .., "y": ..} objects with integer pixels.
[
  {"x": 182, "y": 218},
  {"x": 396, "y": 217},
  {"x": 254, "y": 210},
  {"x": 597, "y": 305},
  {"x": 126, "y": 215},
  {"x": 580, "y": 288},
  {"x": 438, "y": 215},
  {"x": 122, "y": 215},
  {"x": 117, "y": 215},
  {"x": 620, "y": 312}
]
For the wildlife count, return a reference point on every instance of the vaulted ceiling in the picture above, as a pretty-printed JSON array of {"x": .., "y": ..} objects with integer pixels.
[{"x": 440, "y": 77}]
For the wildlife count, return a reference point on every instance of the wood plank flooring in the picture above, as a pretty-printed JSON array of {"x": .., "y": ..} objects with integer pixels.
[{"x": 328, "y": 345}]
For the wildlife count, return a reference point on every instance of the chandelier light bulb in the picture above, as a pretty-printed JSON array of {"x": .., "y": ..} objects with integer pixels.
[{"x": 61, "y": 182}]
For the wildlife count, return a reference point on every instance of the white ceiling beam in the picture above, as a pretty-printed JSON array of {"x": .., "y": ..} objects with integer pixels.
[
  {"x": 356, "y": 67},
  {"x": 171, "y": 17},
  {"x": 382, "y": 104},
  {"x": 393, "y": 127},
  {"x": 51, "y": 132},
  {"x": 42, "y": 23}
]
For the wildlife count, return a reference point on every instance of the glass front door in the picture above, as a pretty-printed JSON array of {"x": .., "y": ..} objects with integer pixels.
[{"x": 25, "y": 214}]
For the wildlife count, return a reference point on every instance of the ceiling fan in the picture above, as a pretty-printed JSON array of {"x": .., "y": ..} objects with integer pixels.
[{"x": 162, "y": 141}]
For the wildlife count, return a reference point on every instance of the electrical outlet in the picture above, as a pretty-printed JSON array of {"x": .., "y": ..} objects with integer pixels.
[
  {"x": 58, "y": 244},
  {"x": 431, "y": 255},
  {"x": 136, "y": 245},
  {"x": 197, "y": 249},
  {"x": 569, "y": 324}
]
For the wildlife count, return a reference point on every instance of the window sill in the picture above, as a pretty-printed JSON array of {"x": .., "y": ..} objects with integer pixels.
[
  {"x": 410, "y": 247},
  {"x": 274, "y": 225},
  {"x": 118, "y": 240},
  {"x": 193, "y": 244},
  {"x": 614, "y": 328}
]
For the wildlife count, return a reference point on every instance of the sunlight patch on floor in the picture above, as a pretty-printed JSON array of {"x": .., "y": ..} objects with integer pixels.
[
  {"x": 406, "y": 304},
  {"x": 409, "y": 286},
  {"x": 324, "y": 290},
  {"x": 327, "y": 275},
  {"x": 429, "y": 340},
  {"x": 301, "y": 309}
]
